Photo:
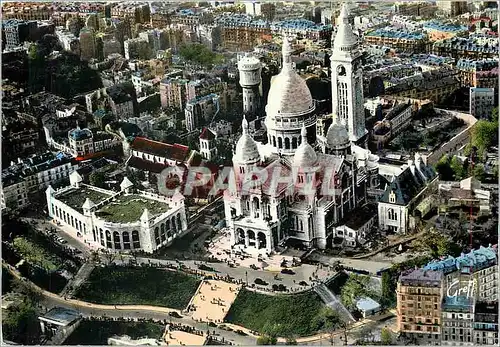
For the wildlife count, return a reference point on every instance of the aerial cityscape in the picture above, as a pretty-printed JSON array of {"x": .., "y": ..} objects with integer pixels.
[{"x": 250, "y": 173}]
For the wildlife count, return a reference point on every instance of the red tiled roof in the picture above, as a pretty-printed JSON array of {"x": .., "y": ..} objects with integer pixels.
[
  {"x": 145, "y": 165},
  {"x": 207, "y": 134},
  {"x": 175, "y": 152}
]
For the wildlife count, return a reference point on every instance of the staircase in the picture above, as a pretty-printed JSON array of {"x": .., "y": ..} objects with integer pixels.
[{"x": 331, "y": 301}]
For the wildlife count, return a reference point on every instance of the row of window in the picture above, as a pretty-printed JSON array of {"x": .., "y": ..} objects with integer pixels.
[
  {"x": 167, "y": 229},
  {"x": 119, "y": 239},
  {"x": 68, "y": 219}
]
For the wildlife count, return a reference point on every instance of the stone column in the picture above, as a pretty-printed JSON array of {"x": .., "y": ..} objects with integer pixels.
[
  {"x": 247, "y": 239},
  {"x": 269, "y": 245}
]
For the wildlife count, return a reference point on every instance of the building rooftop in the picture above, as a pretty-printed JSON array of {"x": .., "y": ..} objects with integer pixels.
[
  {"x": 80, "y": 134},
  {"x": 300, "y": 24},
  {"x": 32, "y": 165},
  {"x": 422, "y": 277},
  {"x": 477, "y": 65},
  {"x": 445, "y": 27},
  {"x": 129, "y": 208},
  {"x": 175, "y": 152},
  {"x": 473, "y": 261},
  {"x": 397, "y": 34},
  {"x": 361, "y": 217},
  {"x": 75, "y": 197},
  {"x": 367, "y": 304},
  {"x": 60, "y": 316}
]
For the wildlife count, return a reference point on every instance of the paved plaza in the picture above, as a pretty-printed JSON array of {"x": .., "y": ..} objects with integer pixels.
[
  {"x": 213, "y": 300},
  {"x": 182, "y": 338},
  {"x": 220, "y": 248}
]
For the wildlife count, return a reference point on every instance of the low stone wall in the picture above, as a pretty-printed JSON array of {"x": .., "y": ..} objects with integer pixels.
[{"x": 456, "y": 142}]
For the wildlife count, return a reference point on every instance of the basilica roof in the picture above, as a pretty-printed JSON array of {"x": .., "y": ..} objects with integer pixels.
[
  {"x": 246, "y": 147},
  {"x": 305, "y": 156},
  {"x": 337, "y": 135},
  {"x": 289, "y": 93}
]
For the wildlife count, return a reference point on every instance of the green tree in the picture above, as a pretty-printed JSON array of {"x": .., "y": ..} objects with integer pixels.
[
  {"x": 267, "y": 340},
  {"x": 386, "y": 337},
  {"x": 484, "y": 135},
  {"x": 21, "y": 325},
  {"x": 444, "y": 169},
  {"x": 97, "y": 178},
  {"x": 388, "y": 298},
  {"x": 356, "y": 286},
  {"x": 458, "y": 168},
  {"x": 479, "y": 172}
]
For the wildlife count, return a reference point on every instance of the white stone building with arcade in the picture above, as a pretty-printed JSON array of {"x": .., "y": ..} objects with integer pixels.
[
  {"x": 286, "y": 190},
  {"x": 123, "y": 221}
]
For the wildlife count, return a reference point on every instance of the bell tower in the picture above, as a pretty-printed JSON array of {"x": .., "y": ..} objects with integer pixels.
[{"x": 347, "y": 79}]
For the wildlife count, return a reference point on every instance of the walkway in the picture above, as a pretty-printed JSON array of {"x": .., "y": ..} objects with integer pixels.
[
  {"x": 77, "y": 280},
  {"x": 390, "y": 245},
  {"x": 331, "y": 301}
]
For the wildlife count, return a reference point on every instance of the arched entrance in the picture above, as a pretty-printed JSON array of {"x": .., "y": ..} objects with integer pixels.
[
  {"x": 240, "y": 236},
  {"x": 261, "y": 240},
  {"x": 251, "y": 238}
]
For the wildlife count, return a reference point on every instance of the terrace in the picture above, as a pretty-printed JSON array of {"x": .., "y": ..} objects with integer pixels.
[
  {"x": 129, "y": 208},
  {"x": 76, "y": 197}
]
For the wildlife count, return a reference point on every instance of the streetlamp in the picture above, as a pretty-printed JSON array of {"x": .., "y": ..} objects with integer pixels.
[{"x": 246, "y": 277}]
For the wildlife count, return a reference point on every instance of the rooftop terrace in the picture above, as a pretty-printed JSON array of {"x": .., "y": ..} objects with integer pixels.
[
  {"x": 75, "y": 197},
  {"x": 129, "y": 208}
]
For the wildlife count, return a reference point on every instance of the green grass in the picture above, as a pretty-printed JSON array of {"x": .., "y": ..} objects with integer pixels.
[
  {"x": 76, "y": 197},
  {"x": 37, "y": 255},
  {"x": 96, "y": 332},
  {"x": 138, "y": 286},
  {"x": 284, "y": 315},
  {"x": 129, "y": 208}
]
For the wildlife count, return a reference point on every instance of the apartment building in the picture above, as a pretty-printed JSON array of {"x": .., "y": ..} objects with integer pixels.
[
  {"x": 401, "y": 39},
  {"x": 481, "y": 102},
  {"x": 486, "y": 323},
  {"x": 241, "y": 32},
  {"x": 477, "y": 271},
  {"x": 475, "y": 46},
  {"x": 31, "y": 175},
  {"x": 200, "y": 111},
  {"x": 173, "y": 92},
  {"x": 419, "y": 294},
  {"x": 478, "y": 73},
  {"x": 434, "y": 85},
  {"x": 24, "y": 11},
  {"x": 458, "y": 321}
]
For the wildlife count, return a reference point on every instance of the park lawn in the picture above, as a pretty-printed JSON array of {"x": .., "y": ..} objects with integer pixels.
[
  {"x": 284, "y": 315},
  {"x": 37, "y": 255},
  {"x": 96, "y": 332},
  {"x": 118, "y": 285}
]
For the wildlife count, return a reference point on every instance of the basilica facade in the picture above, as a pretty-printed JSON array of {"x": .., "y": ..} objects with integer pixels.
[{"x": 304, "y": 182}]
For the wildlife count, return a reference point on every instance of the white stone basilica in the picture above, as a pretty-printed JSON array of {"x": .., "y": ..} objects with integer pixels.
[{"x": 269, "y": 204}]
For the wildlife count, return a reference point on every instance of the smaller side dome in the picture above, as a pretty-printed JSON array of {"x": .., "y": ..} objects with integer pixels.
[
  {"x": 305, "y": 156},
  {"x": 337, "y": 135},
  {"x": 246, "y": 148}
]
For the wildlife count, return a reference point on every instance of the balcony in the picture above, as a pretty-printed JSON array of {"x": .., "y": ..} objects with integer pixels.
[{"x": 293, "y": 124}]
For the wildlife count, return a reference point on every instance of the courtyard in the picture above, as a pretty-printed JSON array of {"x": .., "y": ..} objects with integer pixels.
[
  {"x": 129, "y": 208},
  {"x": 213, "y": 300}
]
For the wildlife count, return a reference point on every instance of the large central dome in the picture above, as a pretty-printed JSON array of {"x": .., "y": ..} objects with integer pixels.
[{"x": 289, "y": 94}]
